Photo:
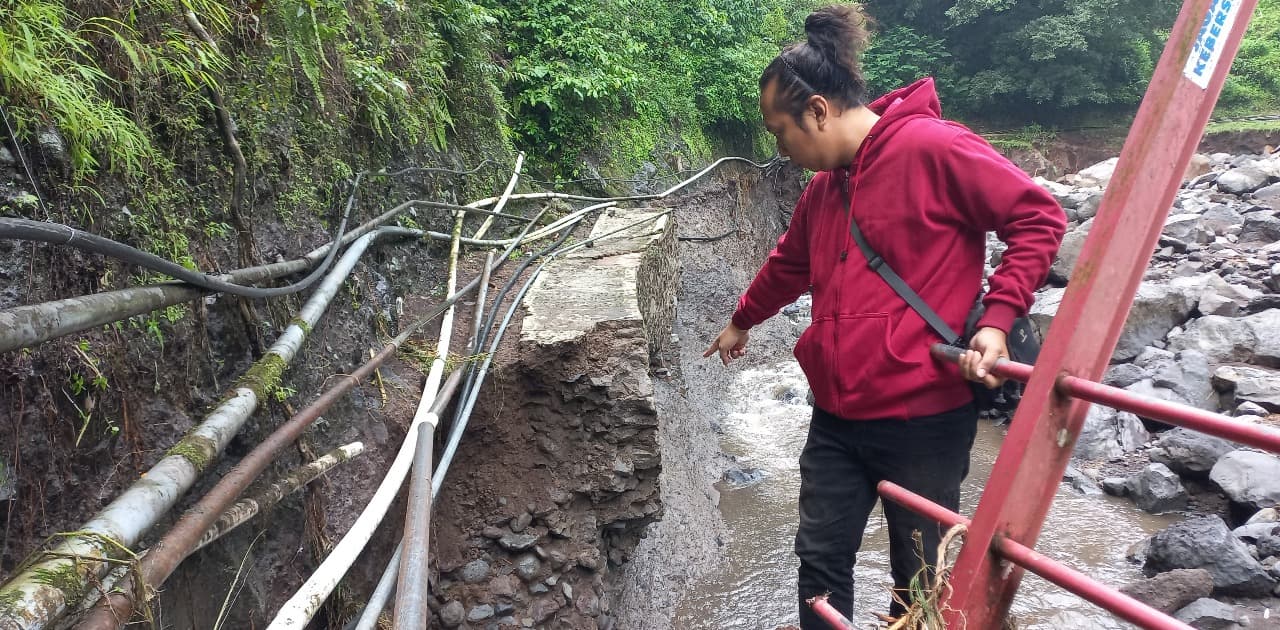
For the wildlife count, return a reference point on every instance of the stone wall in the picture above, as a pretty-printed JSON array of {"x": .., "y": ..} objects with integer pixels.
[{"x": 561, "y": 469}]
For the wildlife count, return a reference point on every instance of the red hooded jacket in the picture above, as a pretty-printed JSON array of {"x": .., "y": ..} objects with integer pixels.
[{"x": 925, "y": 192}]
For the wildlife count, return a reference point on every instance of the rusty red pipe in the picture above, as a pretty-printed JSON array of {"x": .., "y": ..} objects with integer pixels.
[
  {"x": 1091, "y": 590},
  {"x": 829, "y": 614},
  {"x": 1173, "y": 413}
]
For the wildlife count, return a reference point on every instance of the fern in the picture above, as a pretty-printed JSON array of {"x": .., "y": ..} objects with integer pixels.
[{"x": 48, "y": 78}]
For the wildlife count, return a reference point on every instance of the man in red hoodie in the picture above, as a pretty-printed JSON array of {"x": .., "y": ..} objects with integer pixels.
[{"x": 924, "y": 192}]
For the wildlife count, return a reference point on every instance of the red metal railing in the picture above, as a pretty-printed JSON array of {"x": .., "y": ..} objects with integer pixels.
[{"x": 999, "y": 541}]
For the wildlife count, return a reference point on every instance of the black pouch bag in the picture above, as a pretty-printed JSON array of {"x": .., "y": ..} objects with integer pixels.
[
  {"x": 1023, "y": 344},
  {"x": 1023, "y": 339}
]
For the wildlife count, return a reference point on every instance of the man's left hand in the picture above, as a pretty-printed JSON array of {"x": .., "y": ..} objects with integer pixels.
[{"x": 987, "y": 346}]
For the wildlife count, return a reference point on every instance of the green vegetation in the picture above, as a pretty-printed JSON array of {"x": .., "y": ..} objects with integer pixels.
[
  {"x": 1254, "y": 83},
  {"x": 263, "y": 377},
  {"x": 196, "y": 449},
  {"x": 656, "y": 79}
]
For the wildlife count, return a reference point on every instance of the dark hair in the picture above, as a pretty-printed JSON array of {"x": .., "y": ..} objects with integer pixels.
[{"x": 825, "y": 64}]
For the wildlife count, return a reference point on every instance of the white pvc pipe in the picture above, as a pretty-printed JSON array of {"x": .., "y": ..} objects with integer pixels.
[{"x": 298, "y": 611}]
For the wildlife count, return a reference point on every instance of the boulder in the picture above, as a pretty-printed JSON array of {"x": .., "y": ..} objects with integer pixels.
[
  {"x": 1157, "y": 308},
  {"x": 1108, "y": 434},
  {"x": 1252, "y": 339},
  {"x": 1246, "y": 383},
  {"x": 1268, "y": 196},
  {"x": 1260, "y": 228},
  {"x": 1208, "y": 614},
  {"x": 1098, "y": 175},
  {"x": 1157, "y": 489},
  {"x": 1069, "y": 251},
  {"x": 1189, "y": 453},
  {"x": 1220, "y": 218},
  {"x": 1084, "y": 484},
  {"x": 1124, "y": 374},
  {"x": 1239, "y": 181},
  {"x": 1249, "y": 478},
  {"x": 1204, "y": 542},
  {"x": 1171, "y": 590},
  {"x": 1186, "y": 372}
]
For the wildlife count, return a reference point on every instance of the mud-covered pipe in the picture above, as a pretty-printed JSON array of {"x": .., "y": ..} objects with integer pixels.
[
  {"x": 32, "y": 599},
  {"x": 297, "y": 612},
  {"x": 274, "y": 492}
]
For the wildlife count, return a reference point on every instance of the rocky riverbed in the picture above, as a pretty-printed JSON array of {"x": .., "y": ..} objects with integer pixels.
[{"x": 1204, "y": 331}]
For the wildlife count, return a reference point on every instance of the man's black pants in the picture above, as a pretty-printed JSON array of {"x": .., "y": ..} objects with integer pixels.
[{"x": 841, "y": 464}]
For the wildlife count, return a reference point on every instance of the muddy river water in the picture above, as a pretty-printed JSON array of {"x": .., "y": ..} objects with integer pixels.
[{"x": 754, "y": 588}]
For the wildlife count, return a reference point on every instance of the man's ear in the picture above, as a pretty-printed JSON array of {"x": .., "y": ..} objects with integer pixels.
[{"x": 818, "y": 107}]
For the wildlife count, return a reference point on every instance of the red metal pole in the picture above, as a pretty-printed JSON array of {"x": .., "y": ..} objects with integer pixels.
[
  {"x": 1091, "y": 590},
  {"x": 829, "y": 614},
  {"x": 1258, "y": 436},
  {"x": 1222, "y": 426},
  {"x": 1038, "y": 447}
]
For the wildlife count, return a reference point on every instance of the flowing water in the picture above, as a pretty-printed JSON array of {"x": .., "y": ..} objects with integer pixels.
[{"x": 755, "y": 586}]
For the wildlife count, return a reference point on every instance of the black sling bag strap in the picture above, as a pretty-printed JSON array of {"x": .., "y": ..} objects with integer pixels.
[{"x": 900, "y": 286}]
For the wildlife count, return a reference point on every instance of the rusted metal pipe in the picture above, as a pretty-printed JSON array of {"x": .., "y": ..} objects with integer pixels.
[
  {"x": 1165, "y": 411},
  {"x": 1089, "y": 589},
  {"x": 411, "y": 610}
]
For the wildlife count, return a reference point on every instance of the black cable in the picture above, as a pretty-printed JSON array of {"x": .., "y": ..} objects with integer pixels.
[{"x": 58, "y": 234}]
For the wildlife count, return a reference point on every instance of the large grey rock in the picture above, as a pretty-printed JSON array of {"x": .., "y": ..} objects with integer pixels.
[
  {"x": 1221, "y": 218},
  {"x": 1189, "y": 453},
  {"x": 1149, "y": 389},
  {"x": 1204, "y": 542},
  {"x": 1253, "y": 339},
  {"x": 1260, "y": 228},
  {"x": 1187, "y": 228},
  {"x": 1186, "y": 372},
  {"x": 1249, "y": 478},
  {"x": 1124, "y": 374},
  {"x": 1252, "y": 533},
  {"x": 1157, "y": 308},
  {"x": 1267, "y": 515},
  {"x": 1239, "y": 181},
  {"x": 1246, "y": 383},
  {"x": 1157, "y": 489},
  {"x": 53, "y": 148},
  {"x": 1208, "y": 614},
  {"x": 1045, "y": 308},
  {"x": 480, "y": 613},
  {"x": 518, "y": 542},
  {"x": 1069, "y": 251},
  {"x": 1088, "y": 207},
  {"x": 1098, "y": 175},
  {"x": 1171, "y": 590},
  {"x": 1109, "y": 434},
  {"x": 475, "y": 571},
  {"x": 1220, "y": 297},
  {"x": 1267, "y": 195},
  {"x": 1084, "y": 484}
]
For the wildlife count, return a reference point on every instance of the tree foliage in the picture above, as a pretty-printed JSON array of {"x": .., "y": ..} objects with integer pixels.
[
  {"x": 1025, "y": 56},
  {"x": 578, "y": 68}
]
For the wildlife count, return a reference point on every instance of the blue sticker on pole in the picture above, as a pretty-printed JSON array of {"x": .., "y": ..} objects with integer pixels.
[{"x": 1207, "y": 49}]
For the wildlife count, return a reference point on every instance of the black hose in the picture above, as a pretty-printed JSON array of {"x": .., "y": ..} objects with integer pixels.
[{"x": 58, "y": 234}]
